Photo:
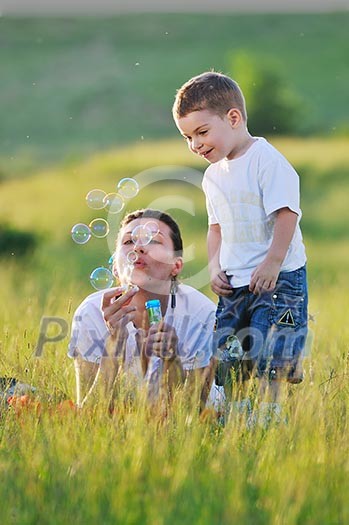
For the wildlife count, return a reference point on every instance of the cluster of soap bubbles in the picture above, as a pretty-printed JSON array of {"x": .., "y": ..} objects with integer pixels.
[
  {"x": 141, "y": 235},
  {"x": 98, "y": 200},
  {"x": 114, "y": 202},
  {"x": 81, "y": 233}
]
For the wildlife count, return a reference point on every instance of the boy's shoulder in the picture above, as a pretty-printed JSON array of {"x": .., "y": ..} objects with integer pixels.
[
  {"x": 261, "y": 151},
  {"x": 267, "y": 151}
]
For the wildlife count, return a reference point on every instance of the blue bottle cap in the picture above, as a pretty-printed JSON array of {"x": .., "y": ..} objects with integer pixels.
[{"x": 153, "y": 303}]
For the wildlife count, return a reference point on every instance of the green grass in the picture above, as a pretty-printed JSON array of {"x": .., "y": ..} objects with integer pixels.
[
  {"x": 89, "y": 468},
  {"x": 127, "y": 469},
  {"x": 73, "y": 86}
]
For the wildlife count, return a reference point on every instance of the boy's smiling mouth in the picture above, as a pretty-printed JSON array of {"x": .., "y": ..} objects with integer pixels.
[{"x": 207, "y": 153}]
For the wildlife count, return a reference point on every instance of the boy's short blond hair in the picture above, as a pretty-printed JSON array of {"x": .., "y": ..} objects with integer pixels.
[{"x": 211, "y": 91}]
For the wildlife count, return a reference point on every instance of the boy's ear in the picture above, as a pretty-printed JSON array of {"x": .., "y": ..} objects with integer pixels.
[{"x": 234, "y": 116}]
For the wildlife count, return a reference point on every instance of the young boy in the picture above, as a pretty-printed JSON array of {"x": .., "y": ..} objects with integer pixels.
[{"x": 255, "y": 248}]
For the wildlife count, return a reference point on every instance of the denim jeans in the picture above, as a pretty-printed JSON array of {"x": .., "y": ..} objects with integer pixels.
[{"x": 271, "y": 326}]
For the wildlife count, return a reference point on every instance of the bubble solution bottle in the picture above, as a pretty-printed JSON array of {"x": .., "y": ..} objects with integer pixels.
[
  {"x": 153, "y": 308},
  {"x": 155, "y": 366}
]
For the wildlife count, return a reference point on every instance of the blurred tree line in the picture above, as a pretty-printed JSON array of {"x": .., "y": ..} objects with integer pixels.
[
  {"x": 14, "y": 242},
  {"x": 273, "y": 107}
]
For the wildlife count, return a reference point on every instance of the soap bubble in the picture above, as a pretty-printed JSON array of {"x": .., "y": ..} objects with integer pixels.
[
  {"x": 99, "y": 228},
  {"x": 114, "y": 203},
  {"x": 111, "y": 265},
  {"x": 141, "y": 235},
  {"x": 128, "y": 188},
  {"x": 80, "y": 233},
  {"x": 132, "y": 257},
  {"x": 101, "y": 278},
  {"x": 153, "y": 227},
  {"x": 95, "y": 199}
]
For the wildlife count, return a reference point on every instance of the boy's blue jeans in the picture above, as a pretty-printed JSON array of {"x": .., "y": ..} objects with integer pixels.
[{"x": 271, "y": 327}]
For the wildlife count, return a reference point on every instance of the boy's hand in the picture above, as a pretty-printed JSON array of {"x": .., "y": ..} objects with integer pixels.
[
  {"x": 264, "y": 277},
  {"x": 220, "y": 284}
]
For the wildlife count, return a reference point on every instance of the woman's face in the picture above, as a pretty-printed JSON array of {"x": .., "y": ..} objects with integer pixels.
[{"x": 156, "y": 261}]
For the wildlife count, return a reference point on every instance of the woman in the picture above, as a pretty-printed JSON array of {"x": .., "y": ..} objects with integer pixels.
[{"x": 111, "y": 330}]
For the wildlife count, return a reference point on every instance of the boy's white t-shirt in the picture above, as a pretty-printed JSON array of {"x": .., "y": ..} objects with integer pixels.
[{"x": 242, "y": 196}]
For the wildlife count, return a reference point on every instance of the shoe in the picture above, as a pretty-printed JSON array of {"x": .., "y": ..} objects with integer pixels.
[
  {"x": 243, "y": 407},
  {"x": 296, "y": 375},
  {"x": 268, "y": 414},
  {"x": 240, "y": 410}
]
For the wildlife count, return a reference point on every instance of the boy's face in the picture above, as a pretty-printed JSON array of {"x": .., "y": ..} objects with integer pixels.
[{"x": 209, "y": 135}]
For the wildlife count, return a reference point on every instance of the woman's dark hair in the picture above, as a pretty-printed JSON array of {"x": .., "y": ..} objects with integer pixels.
[{"x": 149, "y": 213}]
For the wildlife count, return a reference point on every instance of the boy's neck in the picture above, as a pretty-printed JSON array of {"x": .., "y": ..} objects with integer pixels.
[{"x": 245, "y": 142}]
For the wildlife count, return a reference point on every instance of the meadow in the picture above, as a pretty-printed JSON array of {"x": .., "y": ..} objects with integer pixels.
[
  {"x": 84, "y": 103},
  {"x": 58, "y": 465}
]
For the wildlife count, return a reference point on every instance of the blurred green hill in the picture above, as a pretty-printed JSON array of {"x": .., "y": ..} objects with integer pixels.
[{"x": 73, "y": 86}]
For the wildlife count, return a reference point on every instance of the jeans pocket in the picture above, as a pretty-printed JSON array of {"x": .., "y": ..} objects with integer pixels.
[
  {"x": 288, "y": 310},
  {"x": 291, "y": 283}
]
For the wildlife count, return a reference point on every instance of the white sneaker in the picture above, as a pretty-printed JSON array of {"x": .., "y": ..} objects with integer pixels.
[
  {"x": 240, "y": 410},
  {"x": 269, "y": 413},
  {"x": 243, "y": 407}
]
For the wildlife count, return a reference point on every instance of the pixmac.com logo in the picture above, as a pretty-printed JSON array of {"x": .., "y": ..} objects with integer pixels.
[{"x": 259, "y": 347}]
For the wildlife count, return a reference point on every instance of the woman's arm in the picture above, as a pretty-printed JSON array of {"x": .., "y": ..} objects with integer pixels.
[
  {"x": 88, "y": 374},
  {"x": 85, "y": 375},
  {"x": 200, "y": 381},
  {"x": 162, "y": 341},
  {"x": 116, "y": 313},
  {"x": 173, "y": 376}
]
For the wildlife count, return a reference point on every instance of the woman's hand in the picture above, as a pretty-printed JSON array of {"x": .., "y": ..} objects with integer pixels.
[
  {"x": 162, "y": 341},
  {"x": 117, "y": 312}
]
